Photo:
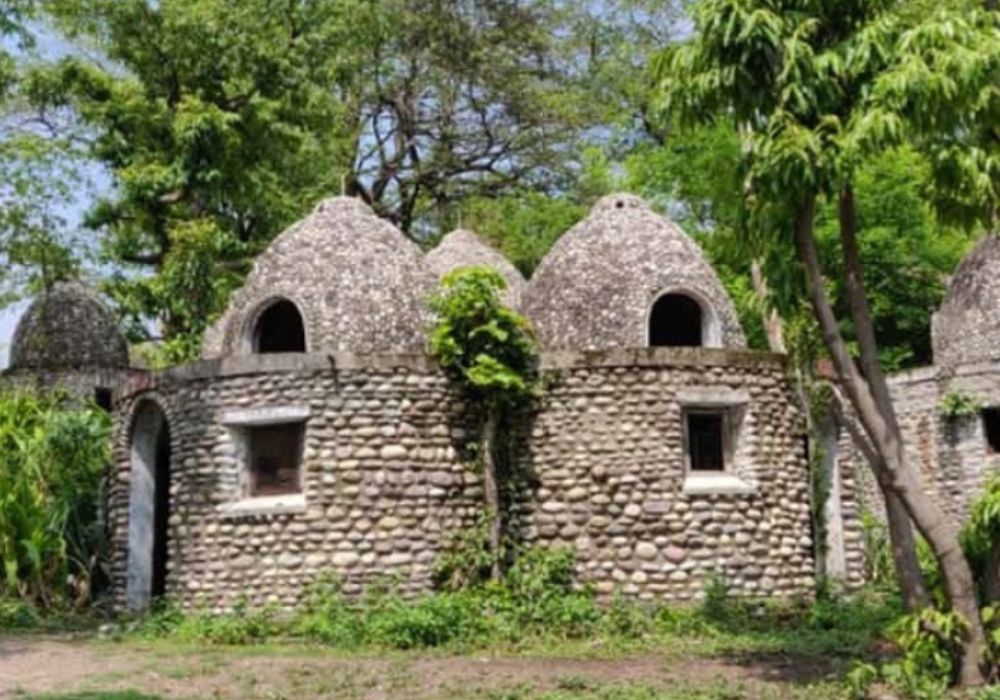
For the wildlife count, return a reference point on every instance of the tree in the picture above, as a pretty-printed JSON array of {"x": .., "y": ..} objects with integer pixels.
[
  {"x": 803, "y": 82},
  {"x": 222, "y": 121},
  {"x": 38, "y": 171},
  {"x": 489, "y": 349},
  {"x": 214, "y": 119}
]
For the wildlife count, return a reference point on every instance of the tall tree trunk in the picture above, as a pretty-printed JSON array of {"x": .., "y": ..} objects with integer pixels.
[
  {"x": 934, "y": 525},
  {"x": 772, "y": 321},
  {"x": 901, "y": 541},
  {"x": 491, "y": 488},
  {"x": 903, "y": 544}
]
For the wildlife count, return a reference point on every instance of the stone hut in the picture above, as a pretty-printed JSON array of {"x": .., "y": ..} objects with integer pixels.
[
  {"x": 68, "y": 338},
  {"x": 463, "y": 248},
  {"x": 954, "y": 455},
  {"x": 628, "y": 277},
  {"x": 322, "y": 439},
  {"x": 341, "y": 279}
]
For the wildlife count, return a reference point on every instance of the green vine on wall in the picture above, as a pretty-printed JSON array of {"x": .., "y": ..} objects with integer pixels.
[
  {"x": 489, "y": 350},
  {"x": 956, "y": 406}
]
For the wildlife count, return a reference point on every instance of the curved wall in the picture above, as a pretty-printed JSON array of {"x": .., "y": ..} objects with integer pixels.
[{"x": 388, "y": 483}]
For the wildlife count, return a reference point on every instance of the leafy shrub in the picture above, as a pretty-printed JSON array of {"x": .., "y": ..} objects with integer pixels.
[
  {"x": 929, "y": 640},
  {"x": 955, "y": 406},
  {"x": 52, "y": 457},
  {"x": 17, "y": 615}
]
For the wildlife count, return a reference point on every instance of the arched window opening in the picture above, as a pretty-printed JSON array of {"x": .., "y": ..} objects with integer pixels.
[
  {"x": 675, "y": 321},
  {"x": 279, "y": 329},
  {"x": 149, "y": 507}
]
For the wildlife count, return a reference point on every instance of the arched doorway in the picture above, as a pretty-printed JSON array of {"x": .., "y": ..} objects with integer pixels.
[
  {"x": 279, "y": 328},
  {"x": 676, "y": 321},
  {"x": 149, "y": 506}
]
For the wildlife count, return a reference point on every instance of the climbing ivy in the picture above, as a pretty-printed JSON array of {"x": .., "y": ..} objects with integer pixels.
[{"x": 489, "y": 349}]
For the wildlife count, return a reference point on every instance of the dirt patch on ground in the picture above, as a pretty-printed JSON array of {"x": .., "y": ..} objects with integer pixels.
[{"x": 33, "y": 665}]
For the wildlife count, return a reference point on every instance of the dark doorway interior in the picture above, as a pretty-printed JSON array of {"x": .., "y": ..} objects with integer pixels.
[
  {"x": 102, "y": 397},
  {"x": 161, "y": 511},
  {"x": 280, "y": 329},
  {"x": 675, "y": 321},
  {"x": 991, "y": 426}
]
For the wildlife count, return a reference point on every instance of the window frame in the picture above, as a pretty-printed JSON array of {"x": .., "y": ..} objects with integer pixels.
[
  {"x": 736, "y": 476},
  {"x": 240, "y": 425}
]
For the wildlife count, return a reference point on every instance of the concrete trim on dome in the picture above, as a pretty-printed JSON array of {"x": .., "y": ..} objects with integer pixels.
[
  {"x": 595, "y": 288},
  {"x": 248, "y": 336},
  {"x": 711, "y": 326}
]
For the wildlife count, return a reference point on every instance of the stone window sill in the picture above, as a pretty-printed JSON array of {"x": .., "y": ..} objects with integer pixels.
[
  {"x": 717, "y": 483},
  {"x": 265, "y": 505}
]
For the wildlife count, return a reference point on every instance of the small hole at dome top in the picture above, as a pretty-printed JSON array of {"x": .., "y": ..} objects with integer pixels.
[{"x": 619, "y": 204}]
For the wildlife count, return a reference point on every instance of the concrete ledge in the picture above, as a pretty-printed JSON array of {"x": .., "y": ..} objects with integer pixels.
[
  {"x": 282, "y": 363},
  {"x": 264, "y": 505},
  {"x": 721, "y": 484}
]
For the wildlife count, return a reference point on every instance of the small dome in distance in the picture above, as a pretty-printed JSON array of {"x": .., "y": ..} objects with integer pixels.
[
  {"x": 967, "y": 326},
  {"x": 463, "y": 248},
  {"x": 68, "y": 327}
]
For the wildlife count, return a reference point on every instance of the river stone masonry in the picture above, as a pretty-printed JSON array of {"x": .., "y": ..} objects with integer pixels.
[{"x": 389, "y": 482}]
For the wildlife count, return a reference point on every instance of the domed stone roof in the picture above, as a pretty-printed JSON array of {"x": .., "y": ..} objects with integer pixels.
[
  {"x": 68, "y": 327},
  {"x": 463, "y": 248},
  {"x": 967, "y": 326},
  {"x": 357, "y": 282},
  {"x": 597, "y": 286}
]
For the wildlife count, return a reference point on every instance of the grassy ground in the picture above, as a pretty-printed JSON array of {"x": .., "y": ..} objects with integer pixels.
[{"x": 90, "y": 669}]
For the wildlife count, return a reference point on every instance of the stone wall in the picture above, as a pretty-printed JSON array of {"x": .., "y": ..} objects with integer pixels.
[
  {"x": 388, "y": 484},
  {"x": 607, "y": 457},
  {"x": 384, "y": 486},
  {"x": 82, "y": 384},
  {"x": 953, "y": 456}
]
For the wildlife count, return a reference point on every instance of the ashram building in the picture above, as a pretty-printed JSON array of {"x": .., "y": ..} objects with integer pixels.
[
  {"x": 69, "y": 339},
  {"x": 317, "y": 437},
  {"x": 955, "y": 455}
]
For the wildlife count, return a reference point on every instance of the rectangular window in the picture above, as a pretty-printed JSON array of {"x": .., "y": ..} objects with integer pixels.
[
  {"x": 991, "y": 427},
  {"x": 274, "y": 458},
  {"x": 706, "y": 440}
]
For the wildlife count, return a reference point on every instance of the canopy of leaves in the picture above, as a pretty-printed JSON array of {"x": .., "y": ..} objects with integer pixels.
[{"x": 486, "y": 346}]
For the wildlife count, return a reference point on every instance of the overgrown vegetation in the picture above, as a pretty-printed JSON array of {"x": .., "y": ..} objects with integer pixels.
[
  {"x": 537, "y": 602},
  {"x": 52, "y": 459},
  {"x": 489, "y": 350}
]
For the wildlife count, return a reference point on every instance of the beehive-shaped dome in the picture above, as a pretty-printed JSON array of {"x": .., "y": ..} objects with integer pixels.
[
  {"x": 628, "y": 277},
  {"x": 342, "y": 279},
  {"x": 967, "y": 326},
  {"x": 67, "y": 328},
  {"x": 463, "y": 248}
]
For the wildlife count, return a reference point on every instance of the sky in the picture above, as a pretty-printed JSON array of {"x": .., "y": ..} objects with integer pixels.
[{"x": 51, "y": 47}]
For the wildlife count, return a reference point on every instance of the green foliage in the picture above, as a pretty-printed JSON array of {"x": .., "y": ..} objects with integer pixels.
[
  {"x": 956, "y": 405},
  {"x": 879, "y": 567},
  {"x": 981, "y": 531},
  {"x": 538, "y": 601},
  {"x": 52, "y": 457},
  {"x": 930, "y": 640},
  {"x": 467, "y": 560},
  {"x": 486, "y": 346}
]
